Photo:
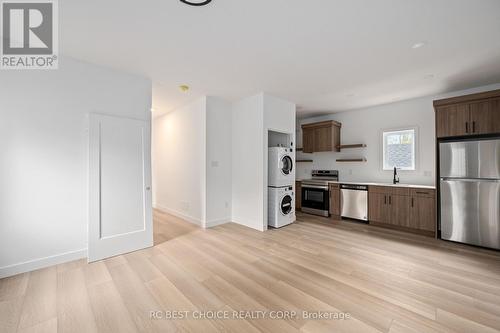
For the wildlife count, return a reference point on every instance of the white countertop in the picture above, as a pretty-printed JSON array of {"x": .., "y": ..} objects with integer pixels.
[{"x": 379, "y": 184}]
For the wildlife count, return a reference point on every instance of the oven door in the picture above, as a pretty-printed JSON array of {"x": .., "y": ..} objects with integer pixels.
[{"x": 315, "y": 199}]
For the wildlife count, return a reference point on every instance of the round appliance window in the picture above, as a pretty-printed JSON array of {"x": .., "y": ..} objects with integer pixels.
[
  {"x": 286, "y": 204},
  {"x": 286, "y": 165}
]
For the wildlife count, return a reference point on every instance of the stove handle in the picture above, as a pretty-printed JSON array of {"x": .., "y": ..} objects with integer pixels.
[{"x": 319, "y": 187}]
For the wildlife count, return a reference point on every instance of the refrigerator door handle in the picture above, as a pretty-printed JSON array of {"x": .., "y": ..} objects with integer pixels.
[{"x": 471, "y": 180}]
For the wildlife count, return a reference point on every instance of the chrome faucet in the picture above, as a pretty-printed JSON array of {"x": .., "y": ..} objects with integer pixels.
[{"x": 395, "y": 180}]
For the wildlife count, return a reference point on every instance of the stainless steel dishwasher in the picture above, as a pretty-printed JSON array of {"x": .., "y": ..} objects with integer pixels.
[{"x": 354, "y": 201}]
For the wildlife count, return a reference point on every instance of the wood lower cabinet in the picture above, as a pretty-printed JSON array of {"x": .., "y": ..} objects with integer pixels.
[
  {"x": 410, "y": 209},
  {"x": 400, "y": 210},
  {"x": 322, "y": 136},
  {"x": 378, "y": 207},
  {"x": 423, "y": 210},
  {"x": 476, "y": 114},
  {"x": 334, "y": 200},
  {"x": 298, "y": 196},
  {"x": 423, "y": 214}
]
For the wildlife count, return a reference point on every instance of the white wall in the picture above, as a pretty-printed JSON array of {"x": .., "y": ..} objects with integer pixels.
[
  {"x": 252, "y": 118},
  {"x": 43, "y": 156},
  {"x": 218, "y": 162},
  {"x": 279, "y": 116},
  {"x": 192, "y": 162},
  {"x": 247, "y": 162},
  {"x": 179, "y": 162},
  {"x": 366, "y": 125}
]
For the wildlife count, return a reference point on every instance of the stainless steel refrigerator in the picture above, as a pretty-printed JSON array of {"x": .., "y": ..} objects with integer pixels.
[{"x": 470, "y": 192}]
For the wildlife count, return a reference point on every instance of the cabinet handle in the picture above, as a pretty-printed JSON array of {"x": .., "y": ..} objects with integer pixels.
[
  {"x": 473, "y": 127},
  {"x": 390, "y": 200},
  {"x": 412, "y": 202},
  {"x": 467, "y": 127},
  {"x": 385, "y": 199}
]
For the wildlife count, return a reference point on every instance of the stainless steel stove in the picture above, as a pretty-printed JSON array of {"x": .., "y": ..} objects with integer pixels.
[{"x": 315, "y": 194}]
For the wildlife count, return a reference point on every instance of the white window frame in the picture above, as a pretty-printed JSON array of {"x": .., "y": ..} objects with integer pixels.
[{"x": 415, "y": 149}]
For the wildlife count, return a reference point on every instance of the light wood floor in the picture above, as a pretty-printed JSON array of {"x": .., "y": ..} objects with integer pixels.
[{"x": 386, "y": 280}]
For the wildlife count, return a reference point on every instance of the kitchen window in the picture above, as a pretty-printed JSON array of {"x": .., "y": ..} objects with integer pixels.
[{"x": 399, "y": 149}]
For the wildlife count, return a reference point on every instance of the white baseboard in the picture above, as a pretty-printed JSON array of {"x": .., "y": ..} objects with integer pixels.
[
  {"x": 35, "y": 264},
  {"x": 214, "y": 223},
  {"x": 191, "y": 219},
  {"x": 183, "y": 216},
  {"x": 249, "y": 224}
]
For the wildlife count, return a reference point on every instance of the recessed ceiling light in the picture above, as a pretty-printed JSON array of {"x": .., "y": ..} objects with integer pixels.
[
  {"x": 418, "y": 45},
  {"x": 184, "y": 87},
  {"x": 152, "y": 110}
]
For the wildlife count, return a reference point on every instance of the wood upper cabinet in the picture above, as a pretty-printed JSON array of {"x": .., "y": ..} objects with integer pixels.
[
  {"x": 452, "y": 120},
  {"x": 308, "y": 140},
  {"x": 468, "y": 115},
  {"x": 334, "y": 200},
  {"x": 485, "y": 116},
  {"x": 322, "y": 136}
]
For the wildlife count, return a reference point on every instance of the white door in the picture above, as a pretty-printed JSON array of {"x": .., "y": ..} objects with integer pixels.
[{"x": 120, "y": 218}]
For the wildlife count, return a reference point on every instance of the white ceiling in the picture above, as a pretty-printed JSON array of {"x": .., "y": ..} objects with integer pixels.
[{"x": 324, "y": 55}]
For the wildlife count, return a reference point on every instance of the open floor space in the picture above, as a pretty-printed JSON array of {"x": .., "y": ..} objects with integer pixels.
[{"x": 385, "y": 281}]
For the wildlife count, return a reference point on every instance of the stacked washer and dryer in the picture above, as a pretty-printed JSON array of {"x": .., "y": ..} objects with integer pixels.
[{"x": 281, "y": 198}]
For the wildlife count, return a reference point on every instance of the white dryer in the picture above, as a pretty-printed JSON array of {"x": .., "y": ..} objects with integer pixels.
[
  {"x": 281, "y": 169},
  {"x": 280, "y": 206}
]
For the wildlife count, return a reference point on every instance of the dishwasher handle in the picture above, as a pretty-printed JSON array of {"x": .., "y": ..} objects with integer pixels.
[{"x": 354, "y": 187}]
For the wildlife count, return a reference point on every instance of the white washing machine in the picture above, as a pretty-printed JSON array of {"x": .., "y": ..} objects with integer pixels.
[
  {"x": 280, "y": 206},
  {"x": 281, "y": 169}
]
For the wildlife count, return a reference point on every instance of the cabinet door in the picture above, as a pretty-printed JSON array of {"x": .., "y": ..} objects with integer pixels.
[
  {"x": 423, "y": 213},
  {"x": 453, "y": 120},
  {"x": 400, "y": 210},
  {"x": 308, "y": 140},
  {"x": 334, "y": 201},
  {"x": 323, "y": 140},
  {"x": 298, "y": 196},
  {"x": 485, "y": 117},
  {"x": 378, "y": 207}
]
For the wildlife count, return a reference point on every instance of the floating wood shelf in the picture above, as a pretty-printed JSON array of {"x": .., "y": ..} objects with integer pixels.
[
  {"x": 308, "y": 161},
  {"x": 351, "y": 160},
  {"x": 357, "y": 145}
]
